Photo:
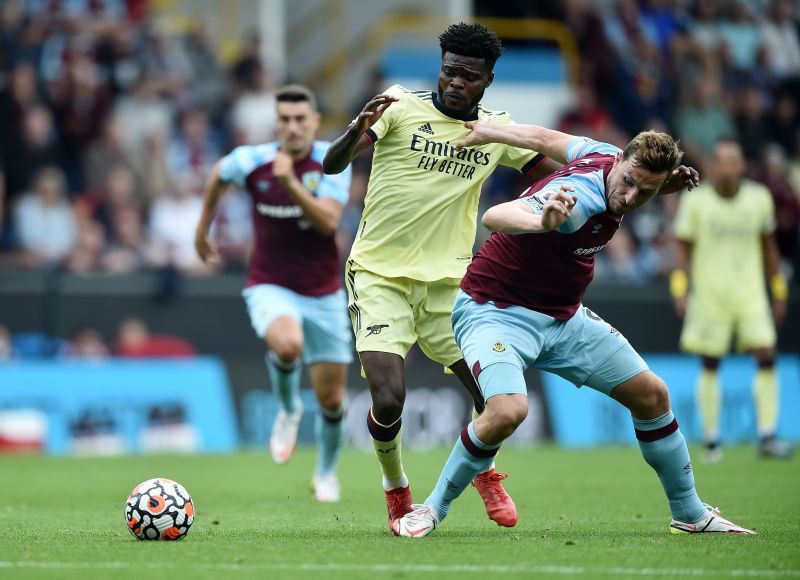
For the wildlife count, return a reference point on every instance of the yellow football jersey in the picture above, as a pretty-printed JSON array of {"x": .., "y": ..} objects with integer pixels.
[
  {"x": 421, "y": 206},
  {"x": 727, "y": 264}
]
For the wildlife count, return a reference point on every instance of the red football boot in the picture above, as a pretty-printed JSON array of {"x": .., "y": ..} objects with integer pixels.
[{"x": 499, "y": 506}]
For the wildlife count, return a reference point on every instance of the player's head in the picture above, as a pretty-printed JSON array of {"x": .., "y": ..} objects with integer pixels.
[
  {"x": 727, "y": 164},
  {"x": 298, "y": 119},
  {"x": 640, "y": 170},
  {"x": 469, "y": 52}
]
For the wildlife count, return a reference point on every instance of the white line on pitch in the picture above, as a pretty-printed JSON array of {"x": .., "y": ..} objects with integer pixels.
[{"x": 435, "y": 568}]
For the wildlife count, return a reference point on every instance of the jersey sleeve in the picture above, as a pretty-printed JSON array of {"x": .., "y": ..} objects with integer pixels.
[
  {"x": 685, "y": 225},
  {"x": 582, "y": 146},
  {"x": 239, "y": 163},
  {"x": 336, "y": 187},
  {"x": 589, "y": 203},
  {"x": 390, "y": 115},
  {"x": 768, "y": 223}
]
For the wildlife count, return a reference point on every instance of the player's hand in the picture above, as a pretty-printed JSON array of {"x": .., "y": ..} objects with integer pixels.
[
  {"x": 480, "y": 134},
  {"x": 779, "y": 309},
  {"x": 680, "y": 306},
  {"x": 283, "y": 168},
  {"x": 373, "y": 111},
  {"x": 206, "y": 248},
  {"x": 558, "y": 208},
  {"x": 682, "y": 176}
]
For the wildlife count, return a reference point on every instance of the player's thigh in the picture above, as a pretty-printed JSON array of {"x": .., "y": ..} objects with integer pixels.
[
  {"x": 755, "y": 329},
  {"x": 380, "y": 311},
  {"x": 586, "y": 350},
  {"x": 328, "y": 380},
  {"x": 497, "y": 346},
  {"x": 707, "y": 329},
  {"x": 433, "y": 324},
  {"x": 327, "y": 331},
  {"x": 268, "y": 302}
]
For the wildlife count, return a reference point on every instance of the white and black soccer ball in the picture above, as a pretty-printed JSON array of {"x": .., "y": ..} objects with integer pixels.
[{"x": 159, "y": 509}]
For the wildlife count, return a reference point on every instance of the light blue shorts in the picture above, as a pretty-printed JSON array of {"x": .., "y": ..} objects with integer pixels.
[
  {"x": 326, "y": 328},
  {"x": 500, "y": 343}
]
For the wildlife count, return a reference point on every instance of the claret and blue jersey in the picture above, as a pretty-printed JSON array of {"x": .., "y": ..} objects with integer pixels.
[
  {"x": 549, "y": 272},
  {"x": 287, "y": 250}
]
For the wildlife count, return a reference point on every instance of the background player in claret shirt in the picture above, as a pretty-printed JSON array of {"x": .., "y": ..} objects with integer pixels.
[
  {"x": 415, "y": 238},
  {"x": 726, "y": 245},
  {"x": 293, "y": 294},
  {"x": 520, "y": 306}
]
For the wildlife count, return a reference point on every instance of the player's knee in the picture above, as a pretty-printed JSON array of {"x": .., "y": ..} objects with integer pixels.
[
  {"x": 388, "y": 398},
  {"x": 331, "y": 399},
  {"x": 506, "y": 412},
  {"x": 765, "y": 358},
  {"x": 710, "y": 363},
  {"x": 654, "y": 396},
  {"x": 287, "y": 349}
]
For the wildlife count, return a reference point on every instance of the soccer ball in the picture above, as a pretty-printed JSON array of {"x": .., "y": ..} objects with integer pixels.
[{"x": 159, "y": 509}]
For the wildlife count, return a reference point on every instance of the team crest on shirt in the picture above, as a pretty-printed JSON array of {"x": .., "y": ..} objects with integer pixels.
[
  {"x": 499, "y": 347},
  {"x": 311, "y": 180}
]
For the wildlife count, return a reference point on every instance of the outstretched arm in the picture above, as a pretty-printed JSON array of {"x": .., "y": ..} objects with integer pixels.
[
  {"x": 551, "y": 143},
  {"x": 212, "y": 193},
  {"x": 348, "y": 146},
  {"x": 517, "y": 217}
]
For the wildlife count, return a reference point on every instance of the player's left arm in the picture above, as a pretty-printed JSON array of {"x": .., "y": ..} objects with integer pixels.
[
  {"x": 549, "y": 142},
  {"x": 324, "y": 213},
  {"x": 778, "y": 286},
  {"x": 517, "y": 217}
]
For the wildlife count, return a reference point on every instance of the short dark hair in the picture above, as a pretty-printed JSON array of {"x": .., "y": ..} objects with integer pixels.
[
  {"x": 296, "y": 94},
  {"x": 472, "y": 40}
]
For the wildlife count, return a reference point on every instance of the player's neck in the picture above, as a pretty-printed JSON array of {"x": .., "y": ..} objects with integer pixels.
[
  {"x": 297, "y": 155},
  {"x": 727, "y": 189}
]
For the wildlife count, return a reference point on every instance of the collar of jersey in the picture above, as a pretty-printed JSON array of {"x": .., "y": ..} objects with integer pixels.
[{"x": 440, "y": 107}]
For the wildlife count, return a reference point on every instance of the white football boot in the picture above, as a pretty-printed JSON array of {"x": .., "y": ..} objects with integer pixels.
[
  {"x": 417, "y": 523},
  {"x": 326, "y": 488},
  {"x": 712, "y": 522},
  {"x": 283, "y": 440}
]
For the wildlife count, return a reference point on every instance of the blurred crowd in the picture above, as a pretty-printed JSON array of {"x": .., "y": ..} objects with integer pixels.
[{"x": 113, "y": 119}]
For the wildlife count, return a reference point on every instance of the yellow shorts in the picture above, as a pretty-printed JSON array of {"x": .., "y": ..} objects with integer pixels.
[
  {"x": 391, "y": 314},
  {"x": 708, "y": 331}
]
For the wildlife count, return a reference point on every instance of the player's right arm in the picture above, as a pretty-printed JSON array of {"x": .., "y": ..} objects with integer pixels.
[
  {"x": 214, "y": 189},
  {"x": 518, "y": 217},
  {"x": 551, "y": 143},
  {"x": 354, "y": 141}
]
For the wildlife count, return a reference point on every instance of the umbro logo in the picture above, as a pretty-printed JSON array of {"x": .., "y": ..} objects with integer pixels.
[
  {"x": 376, "y": 328},
  {"x": 596, "y": 229},
  {"x": 426, "y": 128},
  {"x": 688, "y": 467}
]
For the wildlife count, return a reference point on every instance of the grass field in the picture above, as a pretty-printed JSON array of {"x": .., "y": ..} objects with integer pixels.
[{"x": 588, "y": 514}]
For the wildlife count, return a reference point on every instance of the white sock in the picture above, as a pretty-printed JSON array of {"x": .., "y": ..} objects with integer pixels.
[{"x": 390, "y": 484}]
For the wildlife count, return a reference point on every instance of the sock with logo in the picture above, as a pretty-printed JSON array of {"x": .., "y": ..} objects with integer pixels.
[
  {"x": 285, "y": 379},
  {"x": 664, "y": 448},
  {"x": 386, "y": 440},
  {"x": 469, "y": 457},
  {"x": 330, "y": 436},
  {"x": 709, "y": 401},
  {"x": 765, "y": 392}
]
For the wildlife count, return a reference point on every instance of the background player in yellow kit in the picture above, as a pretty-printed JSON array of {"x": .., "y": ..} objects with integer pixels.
[
  {"x": 415, "y": 238},
  {"x": 726, "y": 246}
]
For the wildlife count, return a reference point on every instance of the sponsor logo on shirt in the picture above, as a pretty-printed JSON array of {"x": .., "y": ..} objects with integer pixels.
[
  {"x": 279, "y": 211},
  {"x": 426, "y": 128},
  {"x": 442, "y": 157},
  {"x": 588, "y": 251}
]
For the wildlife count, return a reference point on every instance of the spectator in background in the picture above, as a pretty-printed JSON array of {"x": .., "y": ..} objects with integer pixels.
[
  {"x": 701, "y": 121},
  {"x": 126, "y": 249},
  {"x": 781, "y": 43},
  {"x": 253, "y": 116},
  {"x": 787, "y": 202},
  {"x": 135, "y": 341},
  {"x": 783, "y": 123},
  {"x": 192, "y": 152},
  {"x": 104, "y": 154},
  {"x": 741, "y": 36},
  {"x": 86, "y": 342},
  {"x": 172, "y": 222},
  {"x": 44, "y": 220},
  {"x": 86, "y": 255},
  {"x": 751, "y": 124}
]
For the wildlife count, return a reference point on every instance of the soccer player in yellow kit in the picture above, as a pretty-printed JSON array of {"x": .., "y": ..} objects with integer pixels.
[
  {"x": 726, "y": 245},
  {"x": 416, "y": 234}
]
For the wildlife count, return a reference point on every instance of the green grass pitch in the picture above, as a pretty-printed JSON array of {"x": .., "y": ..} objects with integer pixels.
[{"x": 583, "y": 514}]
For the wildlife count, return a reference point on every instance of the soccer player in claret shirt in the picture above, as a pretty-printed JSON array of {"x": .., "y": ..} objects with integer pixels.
[
  {"x": 727, "y": 248},
  {"x": 520, "y": 306},
  {"x": 415, "y": 238},
  {"x": 293, "y": 294}
]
